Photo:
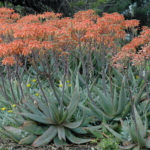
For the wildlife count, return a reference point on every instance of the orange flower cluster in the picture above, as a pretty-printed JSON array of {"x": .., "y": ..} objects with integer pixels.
[
  {"x": 49, "y": 32},
  {"x": 8, "y": 15},
  {"x": 136, "y": 52}
]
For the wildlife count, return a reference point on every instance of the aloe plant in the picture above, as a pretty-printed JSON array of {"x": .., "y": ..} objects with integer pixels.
[
  {"x": 45, "y": 123},
  {"x": 111, "y": 105},
  {"x": 136, "y": 134}
]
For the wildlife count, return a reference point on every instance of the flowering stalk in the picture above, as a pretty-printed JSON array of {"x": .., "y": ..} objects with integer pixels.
[
  {"x": 18, "y": 77},
  {"x": 50, "y": 79},
  {"x": 37, "y": 71},
  {"x": 110, "y": 84},
  {"x": 84, "y": 71},
  {"x": 145, "y": 79},
  {"x": 9, "y": 80},
  {"x": 64, "y": 78},
  {"x": 3, "y": 87}
]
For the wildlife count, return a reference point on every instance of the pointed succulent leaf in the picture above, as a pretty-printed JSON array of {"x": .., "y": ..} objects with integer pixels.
[
  {"x": 132, "y": 131},
  {"x": 73, "y": 104},
  {"x": 140, "y": 125},
  {"x": 46, "y": 137},
  {"x": 38, "y": 118},
  {"x": 28, "y": 140},
  {"x": 8, "y": 134},
  {"x": 32, "y": 127},
  {"x": 122, "y": 98},
  {"x": 146, "y": 125},
  {"x": 77, "y": 86},
  {"x": 147, "y": 143},
  {"x": 15, "y": 132},
  {"x": 73, "y": 125},
  {"x": 127, "y": 109},
  {"x": 61, "y": 133},
  {"x": 128, "y": 147},
  {"x": 86, "y": 109},
  {"x": 74, "y": 139},
  {"x": 19, "y": 120},
  {"x": 99, "y": 113},
  {"x": 59, "y": 143},
  {"x": 34, "y": 109},
  {"x": 115, "y": 98},
  {"x": 117, "y": 135},
  {"x": 117, "y": 75},
  {"x": 135, "y": 135},
  {"x": 43, "y": 107},
  {"x": 55, "y": 113},
  {"x": 64, "y": 117},
  {"x": 80, "y": 130},
  {"x": 139, "y": 95},
  {"x": 132, "y": 77},
  {"x": 66, "y": 98},
  {"x": 141, "y": 132},
  {"x": 105, "y": 102}
]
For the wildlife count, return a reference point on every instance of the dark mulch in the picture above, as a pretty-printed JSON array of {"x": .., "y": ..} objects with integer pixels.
[{"x": 7, "y": 144}]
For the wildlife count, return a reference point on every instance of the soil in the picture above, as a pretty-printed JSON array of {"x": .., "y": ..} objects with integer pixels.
[{"x": 8, "y": 144}]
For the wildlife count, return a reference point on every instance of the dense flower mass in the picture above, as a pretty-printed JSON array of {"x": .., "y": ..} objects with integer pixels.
[
  {"x": 136, "y": 52},
  {"x": 49, "y": 32}
]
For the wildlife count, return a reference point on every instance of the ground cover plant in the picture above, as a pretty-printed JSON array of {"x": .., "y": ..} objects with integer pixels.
[{"x": 74, "y": 80}]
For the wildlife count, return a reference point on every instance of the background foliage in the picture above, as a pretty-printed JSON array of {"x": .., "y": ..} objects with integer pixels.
[{"x": 69, "y": 7}]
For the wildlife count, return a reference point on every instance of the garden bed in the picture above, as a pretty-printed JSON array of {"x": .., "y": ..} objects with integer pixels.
[{"x": 7, "y": 144}]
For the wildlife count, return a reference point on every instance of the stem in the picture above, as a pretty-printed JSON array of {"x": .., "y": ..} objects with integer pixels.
[
  {"x": 3, "y": 88},
  {"x": 51, "y": 81},
  {"x": 132, "y": 105},
  {"x": 11, "y": 88},
  {"x": 87, "y": 62},
  {"x": 145, "y": 79},
  {"x": 17, "y": 74},
  {"x": 36, "y": 69},
  {"x": 110, "y": 83},
  {"x": 61, "y": 100},
  {"x": 24, "y": 68},
  {"x": 84, "y": 72}
]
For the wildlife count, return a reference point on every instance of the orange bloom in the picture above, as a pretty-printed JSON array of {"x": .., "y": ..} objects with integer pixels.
[{"x": 8, "y": 61}]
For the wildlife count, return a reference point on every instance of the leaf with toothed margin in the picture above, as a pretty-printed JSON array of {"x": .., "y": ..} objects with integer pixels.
[
  {"x": 73, "y": 125},
  {"x": 73, "y": 104},
  {"x": 38, "y": 118},
  {"x": 46, "y": 137},
  {"x": 32, "y": 127},
  {"x": 59, "y": 143},
  {"x": 61, "y": 133},
  {"x": 28, "y": 140},
  {"x": 74, "y": 139}
]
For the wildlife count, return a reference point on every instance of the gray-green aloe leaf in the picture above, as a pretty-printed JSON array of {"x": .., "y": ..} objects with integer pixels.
[
  {"x": 46, "y": 137},
  {"x": 140, "y": 131},
  {"x": 73, "y": 125},
  {"x": 32, "y": 127},
  {"x": 122, "y": 98},
  {"x": 73, "y": 104},
  {"x": 16, "y": 133},
  {"x": 28, "y": 140},
  {"x": 38, "y": 118},
  {"x": 58, "y": 142},
  {"x": 74, "y": 139},
  {"x": 61, "y": 133},
  {"x": 117, "y": 135}
]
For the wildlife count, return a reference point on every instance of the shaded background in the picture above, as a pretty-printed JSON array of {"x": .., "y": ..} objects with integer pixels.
[{"x": 132, "y": 9}]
